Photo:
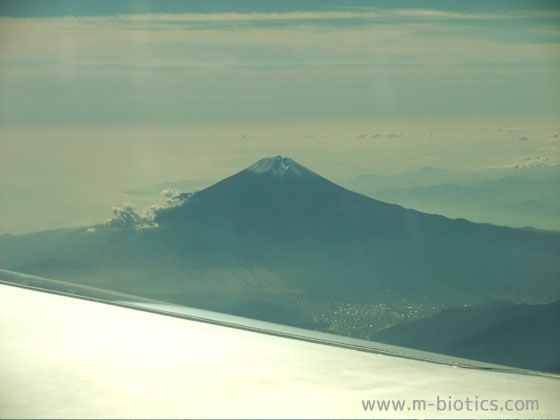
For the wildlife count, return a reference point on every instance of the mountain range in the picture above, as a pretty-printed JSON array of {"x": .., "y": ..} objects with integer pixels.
[{"x": 523, "y": 197}]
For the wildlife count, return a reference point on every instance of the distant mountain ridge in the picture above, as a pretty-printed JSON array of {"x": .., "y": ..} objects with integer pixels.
[{"x": 513, "y": 196}]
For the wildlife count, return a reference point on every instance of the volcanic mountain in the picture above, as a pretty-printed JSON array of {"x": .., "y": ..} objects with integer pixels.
[{"x": 277, "y": 228}]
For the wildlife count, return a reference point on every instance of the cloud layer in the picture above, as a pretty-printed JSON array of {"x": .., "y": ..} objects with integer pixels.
[{"x": 239, "y": 67}]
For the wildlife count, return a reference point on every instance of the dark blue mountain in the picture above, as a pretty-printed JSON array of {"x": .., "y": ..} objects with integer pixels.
[{"x": 278, "y": 229}]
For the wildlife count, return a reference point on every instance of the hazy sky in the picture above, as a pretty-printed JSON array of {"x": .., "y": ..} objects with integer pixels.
[{"x": 97, "y": 97}]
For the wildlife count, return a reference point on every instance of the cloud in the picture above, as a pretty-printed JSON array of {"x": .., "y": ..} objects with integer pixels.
[
  {"x": 515, "y": 130},
  {"x": 169, "y": 193},
  {"x": 523, "y": 138},
  {"x": 173, "y": 199},
  {"x": 117, "y": 37},
  {"x": 492, "y": 130},
  {"x": 379, "y": 135},
  {"x": 129, "y": 217},
  {"x": 368, "y": 14},
  {"x": 529, "y": 161},
  {"x": 549, "y": 149},
  {"x": 493, "y": 159},
  {"x": 429, "y": 157},
  {"x": 478, "y": 130},
  {"x": 305, "y": 65}
]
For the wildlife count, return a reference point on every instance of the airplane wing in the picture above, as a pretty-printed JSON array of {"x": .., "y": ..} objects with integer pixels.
[{"x": 72, "y": 352}]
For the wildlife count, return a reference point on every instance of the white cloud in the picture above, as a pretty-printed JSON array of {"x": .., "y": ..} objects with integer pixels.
[
  {"x": 390, "y": 135},
  {"x": 493, "y": 159},
  {"x": 225, "y": 65},
  {"x": 173, "y": 199},
  {"x": 529, "y": 162},
  {"x": 128, "y": 39},
  {"x": 515, "y": 130},
  {"x": 129, "y": 217},
  {"x": 512, "y": 131},
  {"x": 169, "y": 193}
]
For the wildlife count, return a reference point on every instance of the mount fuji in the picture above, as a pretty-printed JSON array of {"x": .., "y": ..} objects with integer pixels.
[{"x": 277, "y": 230}]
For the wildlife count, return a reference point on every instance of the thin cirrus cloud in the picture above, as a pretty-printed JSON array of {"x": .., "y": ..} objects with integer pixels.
[
  {"x": 333, "y": 16},
  {"x": 231, "y": 66},
  {"x": 390, "y": 135},
  {"x": 528, "y": 161},
  {"x": 74, "y": 34},
  {"x": 493, "y": 130}
]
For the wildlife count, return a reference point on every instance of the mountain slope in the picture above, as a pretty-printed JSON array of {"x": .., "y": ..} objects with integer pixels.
[{"x": 525, "y": 336}]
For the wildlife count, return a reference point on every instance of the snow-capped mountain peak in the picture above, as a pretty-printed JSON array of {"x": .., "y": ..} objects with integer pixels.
[{"x": 279, "y": 166}]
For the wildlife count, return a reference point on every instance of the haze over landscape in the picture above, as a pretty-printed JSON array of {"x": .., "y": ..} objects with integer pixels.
[
  {"x": 383, "y": 170},
  {"x": 99, "y": 98}
]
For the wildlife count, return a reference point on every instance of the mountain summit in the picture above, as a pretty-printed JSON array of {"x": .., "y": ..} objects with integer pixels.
[
  {"x": 274, "y": 197},
  {"x": 279, "y": 166}
]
